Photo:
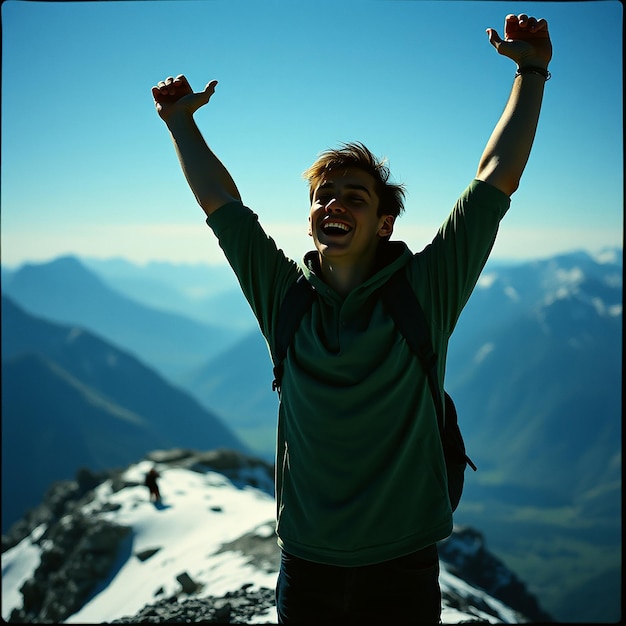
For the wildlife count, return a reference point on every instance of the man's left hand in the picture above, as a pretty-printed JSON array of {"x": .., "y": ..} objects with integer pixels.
[{"x": 526, "y": 41}]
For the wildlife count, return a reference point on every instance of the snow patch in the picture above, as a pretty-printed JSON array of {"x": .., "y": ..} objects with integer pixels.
[
  {"x": 18, "y": 565},
  {"x": 198, "y": 514},
  {"x": 603, "y": 310},
  {"x": 572, "y": 276},
  {"x": 604, "y": 257},
  {"x": 459, "y": 587}
]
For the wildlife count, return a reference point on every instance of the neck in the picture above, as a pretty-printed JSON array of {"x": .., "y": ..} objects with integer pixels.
[{"x": 344, "y": 278}]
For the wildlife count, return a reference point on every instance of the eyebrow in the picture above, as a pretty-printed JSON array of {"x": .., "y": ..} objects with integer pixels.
[{"x": 356, "y": 187}]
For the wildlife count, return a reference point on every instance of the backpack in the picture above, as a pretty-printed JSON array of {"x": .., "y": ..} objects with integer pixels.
[{"x": 402, "y": 304}]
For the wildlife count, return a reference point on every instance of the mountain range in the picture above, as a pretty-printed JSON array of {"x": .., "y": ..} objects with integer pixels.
[
  {"x": 65, "y": 291},
  {"x": 534, "y": 367},
  {"x": 542, "y": 382}
]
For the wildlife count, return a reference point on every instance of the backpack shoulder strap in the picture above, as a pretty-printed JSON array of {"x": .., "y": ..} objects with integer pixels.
[
  {"x": 297, "y": 302},
  {"x": 403, "y": 306}
]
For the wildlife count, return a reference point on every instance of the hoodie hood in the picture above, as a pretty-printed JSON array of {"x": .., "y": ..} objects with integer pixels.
[{"x": 392, "y": 255}]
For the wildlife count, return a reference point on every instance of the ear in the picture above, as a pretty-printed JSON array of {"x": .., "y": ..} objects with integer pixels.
[
  {"x": 310, "y": 228},
  {"x": 387, "y": 226}
]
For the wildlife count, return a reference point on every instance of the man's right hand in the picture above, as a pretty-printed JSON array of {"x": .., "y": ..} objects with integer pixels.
[{"x": 174, "y": 96}]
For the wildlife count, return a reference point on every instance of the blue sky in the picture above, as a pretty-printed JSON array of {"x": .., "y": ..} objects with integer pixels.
[{"x": 88, "y": 167}]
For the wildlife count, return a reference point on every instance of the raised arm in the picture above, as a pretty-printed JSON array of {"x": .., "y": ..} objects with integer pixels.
[
  {"x": 527, "y": 42},
  {"x": 209, "y": 180}
]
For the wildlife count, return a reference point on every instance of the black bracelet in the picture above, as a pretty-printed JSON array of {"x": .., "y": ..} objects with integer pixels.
[{"x": 534, "y": 70}]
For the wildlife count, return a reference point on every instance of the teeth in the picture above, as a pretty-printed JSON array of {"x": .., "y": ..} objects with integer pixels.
[{"x": 337, "y": 225}]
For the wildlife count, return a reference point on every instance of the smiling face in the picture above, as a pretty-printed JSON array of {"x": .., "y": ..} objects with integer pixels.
[{"x": 344, "y": 220}]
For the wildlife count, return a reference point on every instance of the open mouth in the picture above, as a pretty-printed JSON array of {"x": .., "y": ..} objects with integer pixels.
[{"x": 335, "y": 229}]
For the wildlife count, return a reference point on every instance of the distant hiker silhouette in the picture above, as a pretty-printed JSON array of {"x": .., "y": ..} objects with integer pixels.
[{"x": 151, "y": 483}]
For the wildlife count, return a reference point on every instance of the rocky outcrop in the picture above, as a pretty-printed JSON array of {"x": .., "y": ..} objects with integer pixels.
[
  {"x": 81, "y": 553},
  {"x": 241, "y": 469},
  {"x": 77, "y": 553},
  {"x": 237, "y": 607},
  {"x": 61, "y": 499},
  {"x": 466, "y": 556}
]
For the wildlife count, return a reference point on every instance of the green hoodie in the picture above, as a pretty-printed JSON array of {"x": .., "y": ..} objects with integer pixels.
[{"x": 360, "y": 474}]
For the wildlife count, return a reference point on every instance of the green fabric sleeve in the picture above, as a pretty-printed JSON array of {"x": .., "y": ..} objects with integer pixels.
[{"x": 263, "y": 271}]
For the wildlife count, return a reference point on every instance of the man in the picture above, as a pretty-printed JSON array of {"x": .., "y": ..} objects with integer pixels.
[
  {"x": 152, "y": 484},
  {"x": 360, "y": 476}
]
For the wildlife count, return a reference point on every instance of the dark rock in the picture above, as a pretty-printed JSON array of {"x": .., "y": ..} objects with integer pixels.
[
  {"x": 33, "y": 594},
  {"x": 187, "y": 583},
  {"x": 103, "y": 537},
  {"x": 52, "y": 558},
  {"x": 144, "y": 555},
  {"x": 109, "y": 507},
  {"x": 88, "y": 480},
  {"x": 223, "y": 611},
  {"x": 61, "y": 498}
]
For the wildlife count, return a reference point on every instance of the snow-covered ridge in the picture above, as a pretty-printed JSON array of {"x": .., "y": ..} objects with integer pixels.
[{"x": 209, "y": 545}]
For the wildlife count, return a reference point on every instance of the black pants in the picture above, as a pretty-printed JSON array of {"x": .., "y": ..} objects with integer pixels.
[{"x": 401, "y": 591}]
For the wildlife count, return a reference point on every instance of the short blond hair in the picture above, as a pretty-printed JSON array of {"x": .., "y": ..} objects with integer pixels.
[{"x": 391, "y": 195}]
